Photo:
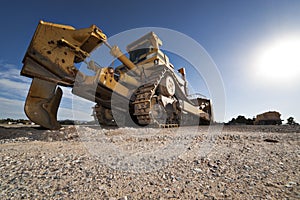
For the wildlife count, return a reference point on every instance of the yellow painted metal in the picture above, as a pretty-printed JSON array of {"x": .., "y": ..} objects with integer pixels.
[
  {"x": 54, "y": 49},
  {"x": 107, "y": 79},
  {"x": 42, "y": 103},
  {"x": 116, "y": 52},
  {"x": 49, "y": 60},
  {"x": 148, "y": 40}
]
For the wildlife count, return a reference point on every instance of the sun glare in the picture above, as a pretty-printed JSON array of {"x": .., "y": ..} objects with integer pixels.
[{"x": 280, "y": 61}]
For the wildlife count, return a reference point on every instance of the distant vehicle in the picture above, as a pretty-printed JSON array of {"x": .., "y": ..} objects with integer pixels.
[{"x": 268, "y": 118}]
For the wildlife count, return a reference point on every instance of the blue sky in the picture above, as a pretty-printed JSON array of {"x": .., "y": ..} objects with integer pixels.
[{"x": 232, "y": 32}]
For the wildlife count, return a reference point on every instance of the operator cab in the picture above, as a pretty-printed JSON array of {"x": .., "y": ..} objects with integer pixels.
[{"x": 144, "y": 48}]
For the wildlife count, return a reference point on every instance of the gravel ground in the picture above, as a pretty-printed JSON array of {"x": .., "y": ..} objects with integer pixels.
[{"x": 242, "y": 162}]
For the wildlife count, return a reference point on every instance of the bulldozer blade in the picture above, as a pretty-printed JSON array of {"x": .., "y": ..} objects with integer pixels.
[{"x": 42, "y": 103}]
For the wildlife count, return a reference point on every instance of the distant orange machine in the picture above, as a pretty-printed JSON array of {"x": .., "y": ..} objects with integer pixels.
[{"x": 268, "y": 118}]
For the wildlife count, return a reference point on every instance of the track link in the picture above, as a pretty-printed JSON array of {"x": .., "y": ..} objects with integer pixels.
[{"x": 145, "y": 98}]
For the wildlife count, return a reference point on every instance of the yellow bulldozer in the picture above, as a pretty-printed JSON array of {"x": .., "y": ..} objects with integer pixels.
[{"x": 154, "y": 92}]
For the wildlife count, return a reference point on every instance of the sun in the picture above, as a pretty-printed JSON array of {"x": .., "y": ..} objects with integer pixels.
[{"x": 279, "y": 61}]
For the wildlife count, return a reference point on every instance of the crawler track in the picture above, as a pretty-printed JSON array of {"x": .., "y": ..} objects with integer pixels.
[{"x": 146, "y": 99}]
